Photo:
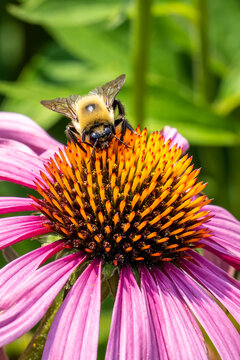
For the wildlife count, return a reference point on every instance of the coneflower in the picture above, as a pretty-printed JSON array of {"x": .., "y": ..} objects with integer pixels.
[{"x": 138, "y": 209}]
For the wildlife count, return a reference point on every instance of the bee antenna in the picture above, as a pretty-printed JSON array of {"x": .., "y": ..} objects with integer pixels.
[
  {"x": 93, "y": 149},
  {"x": 129, "y": 147}
]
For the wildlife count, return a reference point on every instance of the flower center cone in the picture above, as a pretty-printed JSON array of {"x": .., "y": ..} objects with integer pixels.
[{"x": 136, "y": 204}]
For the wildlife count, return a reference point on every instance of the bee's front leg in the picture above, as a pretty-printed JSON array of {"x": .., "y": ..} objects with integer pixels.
[
  {"x": 125, "y": 126},
  {"x": 72, "y": 136}
]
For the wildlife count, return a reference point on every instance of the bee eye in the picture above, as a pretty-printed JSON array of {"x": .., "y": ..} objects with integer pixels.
[
  {"x": 94, "y": 136},
  {"x": 90, "y": 108}
]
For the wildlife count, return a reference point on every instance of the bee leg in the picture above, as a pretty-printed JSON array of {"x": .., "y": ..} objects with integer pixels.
[
  {"x": 113, "y": 129},
  {"x": 120, "y": 106},
  {"x": 121, "y": 119},
  {"x": 125, "y": 126},
  {"x": 72, "y": 137},
  {"x": 84, "y": 138},
  {"x": 70, "y": 133},
  {"x": 83, "y": 135},
  {"x": 129, "y": 127},
  {"x": 93, "y": 150},
  {"x": 123, "y": 129}
]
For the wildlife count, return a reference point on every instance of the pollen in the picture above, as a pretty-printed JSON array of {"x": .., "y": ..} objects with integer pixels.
[{"x": 135, "y": 204}]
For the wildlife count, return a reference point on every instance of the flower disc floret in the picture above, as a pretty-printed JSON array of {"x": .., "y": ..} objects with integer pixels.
[{"x": 136, "y": 204}]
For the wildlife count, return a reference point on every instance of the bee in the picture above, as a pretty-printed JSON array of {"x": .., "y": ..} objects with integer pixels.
[{"x": 94, "y": 117}]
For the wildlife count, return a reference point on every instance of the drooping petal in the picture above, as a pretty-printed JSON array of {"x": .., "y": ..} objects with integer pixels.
[
  {"x": 232, "y": 246},
  {"x": 15, "y": 204},
  {"x": 74, "y": 331},
  {"x": 17, "y": 228},
  {"x": 9, "y": 254},
  {"x": 23, "y": 129},
  {"x": 222, "y": 253},
  {"x": 215, "y": 322},
  {"x": 19, "y": 167},
  {"x": 219, "y": 262},
  {"x": 215, "y": 280},
  {"x": 35, "y": 296},
  {"x": 17, "y": 271},
  {"x": 172, "y": 319},
  {"x": 176, "y": 138},
  {"x": 129, "y": 334}
]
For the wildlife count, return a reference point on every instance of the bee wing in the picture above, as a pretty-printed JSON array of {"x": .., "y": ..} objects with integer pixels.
[
  {"x": 65, "y": 106},
  {"x": 110, "y": 90}
]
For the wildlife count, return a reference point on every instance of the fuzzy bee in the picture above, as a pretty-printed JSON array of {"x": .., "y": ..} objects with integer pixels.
[{"x": 94, "y": 117}]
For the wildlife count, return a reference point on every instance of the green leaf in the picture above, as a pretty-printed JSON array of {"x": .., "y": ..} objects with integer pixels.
[
  {"x": 224, "y": 27},
  {"x": 11, "y": 51},
  {"x": 178, "y": 8},
  {"x": 105, "y": 322},
  {"x": 60, "y": 13},
  {"x": 166, "y": 58},
  {"x": 111, "y": 45},
  {"x": 14, "y": 349},
  {"x": 99, "y": 47},
  {"x": 52, "y": 74},
  {"x": 26, "y": 97},
  {"x": 197, "y": 123},
  {"x": 229, "y": 93}
]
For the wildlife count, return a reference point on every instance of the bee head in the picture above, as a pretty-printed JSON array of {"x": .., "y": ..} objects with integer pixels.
[{"x": 104, "y": 134}]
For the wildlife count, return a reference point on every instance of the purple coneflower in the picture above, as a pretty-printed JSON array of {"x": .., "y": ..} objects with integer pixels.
[{"x": 139, "y": 209}]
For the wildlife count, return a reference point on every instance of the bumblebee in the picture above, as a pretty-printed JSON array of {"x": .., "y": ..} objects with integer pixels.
[{"x": 94, "y": 117}]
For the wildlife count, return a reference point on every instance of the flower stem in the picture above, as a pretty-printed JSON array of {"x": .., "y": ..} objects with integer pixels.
[
  {"x": 113, "y": 283},
  {"x": 35, "y": 348},
  {"x": 141, "y": 32},
  {"x": 201, "y": 61},
  {"x": 234, "y": 175}
]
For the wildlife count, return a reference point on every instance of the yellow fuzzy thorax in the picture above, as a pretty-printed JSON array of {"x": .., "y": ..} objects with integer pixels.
[{"x": 90, "y": 110}]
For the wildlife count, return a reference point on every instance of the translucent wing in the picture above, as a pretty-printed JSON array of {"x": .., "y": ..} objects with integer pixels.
[
  {"x": 110, "y": 90},
  {"x": 65, "y": 106}
]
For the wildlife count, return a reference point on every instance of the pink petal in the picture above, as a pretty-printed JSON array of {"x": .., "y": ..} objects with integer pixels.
[
  {"x": 15, "y": 204},
  {"x": 182, "y": 337},
  {"x": 220, "y": 213},
  {"x": 19, "y": 167},
  {"x": 226, "y": 234},
  {"x": 49, "y": 153},
  {"x": 225, "y": 229},
  {"x": 215, "y": 280},
  {"x": 35, "y": 296},
  {"x": 150, "y": 293},
  {"x": 176, "y": 138},
  {"x": 74, "y": 331},
  {"x": 222, "y": 253},
  {"x": 129, "y": 334},
  {"x": 17, "y": 228},
  {"x": 23, "y": 129},
  {"x": 219, "y": 262},
  {"x": 215, "y": 322},
  {"x": 15, "y": 145},
  {"x": 14, "y": 273}
]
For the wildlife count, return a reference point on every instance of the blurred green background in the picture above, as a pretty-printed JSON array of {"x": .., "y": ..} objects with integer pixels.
[{"x": 181, "y": 58}]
